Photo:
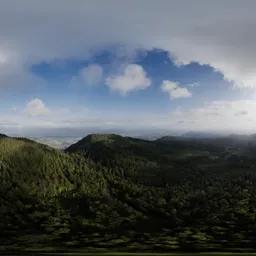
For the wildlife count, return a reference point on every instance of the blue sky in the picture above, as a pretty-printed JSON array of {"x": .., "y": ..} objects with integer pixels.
[
  {"x": 208, "y": 85},
  {"x": 125, "y": 66}
]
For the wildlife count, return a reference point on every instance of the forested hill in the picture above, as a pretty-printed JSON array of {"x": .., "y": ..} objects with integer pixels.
[{"x": 114, "y": 192}]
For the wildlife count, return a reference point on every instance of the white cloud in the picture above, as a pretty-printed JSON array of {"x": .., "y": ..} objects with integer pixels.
[
  {"x": 193, "y": 85},
  {"x": 134, "y": 78},
  {"x": 92, "y": 74},
  {"x": 36, "y": 108},
  {"x": 174, "y": 90},
  {"x": 219, "y": 34}
]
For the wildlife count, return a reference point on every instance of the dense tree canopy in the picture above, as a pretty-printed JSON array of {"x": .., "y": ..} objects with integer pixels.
[{"x": 108, "y": 191}]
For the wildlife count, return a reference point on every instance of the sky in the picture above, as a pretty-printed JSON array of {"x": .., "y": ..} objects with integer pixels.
[{"x": 80, "y": 66}]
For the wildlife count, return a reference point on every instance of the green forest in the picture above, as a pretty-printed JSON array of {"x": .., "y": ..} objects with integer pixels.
[{"x": 125, "y": 194}]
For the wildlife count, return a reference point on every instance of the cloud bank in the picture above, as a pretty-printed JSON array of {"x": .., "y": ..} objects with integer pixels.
[
  {"x": 230, "y": 116},
  {"x": 217, "y": 33}
]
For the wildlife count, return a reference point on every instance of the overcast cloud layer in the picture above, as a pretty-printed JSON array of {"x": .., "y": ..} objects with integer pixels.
[{"x": 218, "y": 33}]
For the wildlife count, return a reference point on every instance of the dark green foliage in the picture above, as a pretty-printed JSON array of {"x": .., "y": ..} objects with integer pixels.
[{"x": 108, "y": 191}]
